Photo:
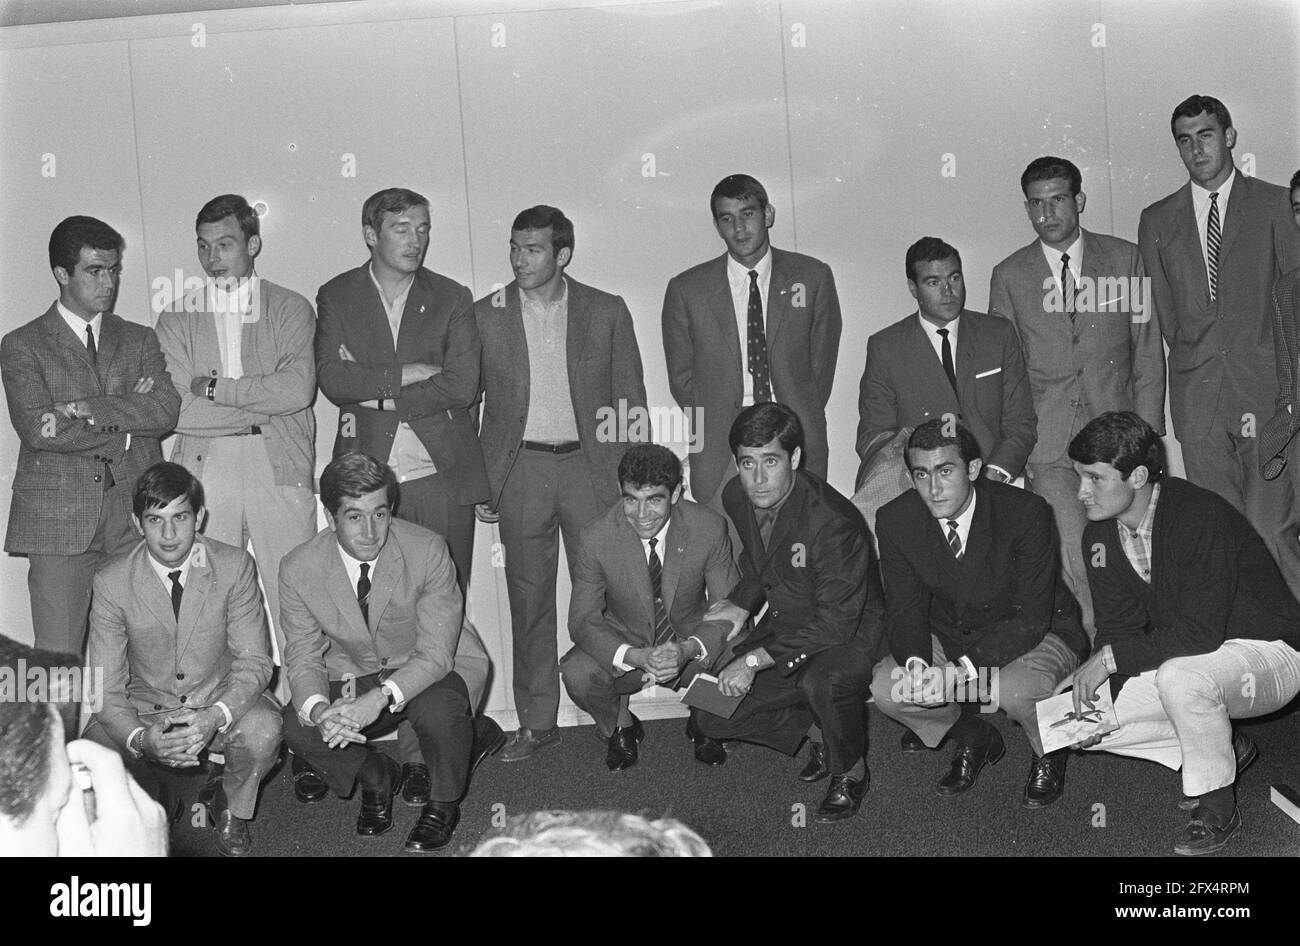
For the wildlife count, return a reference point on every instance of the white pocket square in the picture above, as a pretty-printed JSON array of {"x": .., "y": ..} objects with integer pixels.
[{"x": 985, "y": 374}]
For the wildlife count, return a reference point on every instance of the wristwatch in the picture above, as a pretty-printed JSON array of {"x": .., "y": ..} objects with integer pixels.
[
  {"x": 388, "y": 692},
  {"x": 212, "y": 389},
  {"x": 137, "y": 743},
  {"x": 751, "y": 661}
]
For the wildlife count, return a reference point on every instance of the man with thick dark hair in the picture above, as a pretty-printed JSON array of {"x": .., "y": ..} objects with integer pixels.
[
  {"x": 560, "y": 366},
  {"x": 646, "y": 574},
  {"x": 975, "y": 611},
  {"x": 1213, "y": 250},
  {"x": 1079, "y": 303},
  {"x": 375, "y": 634},
  {"x": 946, "y": 361},
  {"x": 178, "y": 629},
  {"x": 1195, "y": 624},
  {"x": 752, "y": 325},
  {"x": 807, "y": 555},
  {"x": 89, "y": 396}
]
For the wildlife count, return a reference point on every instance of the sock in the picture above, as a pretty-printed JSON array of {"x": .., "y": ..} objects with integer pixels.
[
  {"x": 373, "y": 776},
  {"x": 971, "y": 731},
  {"x": 1219, "y": 804},
  {"x": 858, "y": 772}
]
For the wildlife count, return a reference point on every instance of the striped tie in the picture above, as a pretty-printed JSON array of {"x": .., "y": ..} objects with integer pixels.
[
  {"x": 954, "y": 540},
  {"x": 1067, "y": 286},
  {"x": 363, "y": 593},
  {"x": 1213, "y": 240},
  {"x": 663, "y": 630}
]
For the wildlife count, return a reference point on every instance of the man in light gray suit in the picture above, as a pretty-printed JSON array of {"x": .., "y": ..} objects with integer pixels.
[{"x": 1080, "y": 303}]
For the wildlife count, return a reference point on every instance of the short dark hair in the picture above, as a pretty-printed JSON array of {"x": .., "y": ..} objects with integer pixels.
[
  {"x": 27, "y": 730},
  {"x": 758, "y": 424},
  {"x": 353, "y": 475},
  {"x": 1295, "y": 180},
  {"x": 1195, "y": 105},
  {"x": 1050, "y": 168},
  {"x": 591, "y": 834},
  {"x": 649, "y": 465},
  {"x": 230, "y": 205},
  {"x": 929, "y": 250},
  {"x": 932, "y": 436},
  {"x": 737, "y": 187},
  {"x": 1122, "y": 439},
  {"x": 162, "y": 483},
  {"x": 390, "y": 200},
  {"x": 543, "y": 216},
  {"x": 74, "y": 233}
]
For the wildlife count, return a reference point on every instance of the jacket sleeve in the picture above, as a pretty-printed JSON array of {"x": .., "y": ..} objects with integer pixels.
[
  {"x": 827, "y": 325},
  {"x": 153, "y": 414},
  {"x": 1019, "y": 425},
  {"x": 197, "y": 416},
  {"x": 107, "y": 653},
  {"x": 907, "y": 598},
  {"x": 439, "y": 612},
  {"x": 593, "y": 629},
  {"x": 347, "y": 383},
  {"x": 305, "y": 642},
  {"x": 877, "y": 404},
  {"x": 457, "y": 385},
  {"x": 629, "y": 382},
  {"x": 292, "y": 385},
  {"x": 679, "y": 347},
  {"x": 1147, "y": 353},
  {"x": 249, "y": 642}
]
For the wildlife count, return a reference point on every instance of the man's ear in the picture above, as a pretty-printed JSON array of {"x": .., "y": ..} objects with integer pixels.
[
  {"x": 62, "y": 276},
  {"x": 973, "y": 469},
  {"x": 254, "y": 245},
  {"x": 139, "y": 528},
  {"x": 769, "y": 216},
  {"x": 1230, "y": 137},
  {"x": 369, "y": 235},
  {"x": 911, "y": 287},
  {"x": 1080, "y": 201},
  {"x": 1139, "y": 477},
  {"x": 677, "y": 494},
  {"x": 201, "y": 519},
  {"x": 796, "y": 457},
  {"x": 329, "y": 517},
  {"x": 562, "y": 258}
]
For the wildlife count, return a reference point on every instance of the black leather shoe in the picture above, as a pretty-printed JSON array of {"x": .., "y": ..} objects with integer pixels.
[
  {"x": 1245, "y": 751},
  {"x": 308, "y": 786},
  {"x": 843, "y": 798},
  {"x": 415, "y": 784},
  {"x": 816, "y": 769},
  {"x": 1204, "y": 834},
  {"x": 707, "y": 750},
  {"x": 1046, "y": 779},
  {"x": 911, "y": 742},
  {"x": 621, "y": 753},
  {"x": 376, "y": 815},
  {"x": 968, "y": 762},
  {"x": 233, "y": 836},
  {"x": 488, "y": 740},
  {"x": 434, "y": 829}
]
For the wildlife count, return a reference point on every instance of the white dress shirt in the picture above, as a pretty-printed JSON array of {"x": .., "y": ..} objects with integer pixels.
[
  {"x": 78, "y": 326},
  {"x": 408, "y": 458},
  {"x": 738, "y": 278},
  {"x": 229, "y": 311},
  {"x": 1201, "y": 204},
  {"x": 1053, "y": 257}
]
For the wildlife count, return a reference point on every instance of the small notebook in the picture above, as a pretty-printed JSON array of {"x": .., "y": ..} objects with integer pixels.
[
  {"x": 1059, "y": 726},
  {"x": 703, "y": 694}
]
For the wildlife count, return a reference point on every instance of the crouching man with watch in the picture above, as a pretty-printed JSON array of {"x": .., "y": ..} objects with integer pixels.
[
  {"x": 372, "y": 618},
  {"x": 805, "y": 668}
]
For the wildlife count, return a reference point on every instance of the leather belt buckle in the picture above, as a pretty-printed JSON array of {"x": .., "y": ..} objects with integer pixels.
[{"x": 555, "y": 448}]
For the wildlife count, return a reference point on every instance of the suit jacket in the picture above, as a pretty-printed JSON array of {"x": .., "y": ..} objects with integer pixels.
[
  {"x": 1276, "y": 434},
  {"x": 276, "y": 391},
  {"x": 706, "y": 365},
  {"x": 904, "y": 386},
  {"x": 437, "y": 328},
  {"x": 818, "y": 575},
  {"x": 1212, "y": 579},
  {"x": 1222, "y": 362},
  {"x": 604, "y": 365},
  {"x": 217, "y": 651},
  {"x": 59, "y": 484},
  {"x": 1110, "y": 359},
  {"x": 416, "y": 632},
  {"x": 995, "y": 604},
  {"x": 612, "y": 603}
]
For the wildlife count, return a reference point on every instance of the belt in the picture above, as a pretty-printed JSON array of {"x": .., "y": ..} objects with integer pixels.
[
  {"x": 251, "y": 431},
  {"x": 557, "y": 448}
]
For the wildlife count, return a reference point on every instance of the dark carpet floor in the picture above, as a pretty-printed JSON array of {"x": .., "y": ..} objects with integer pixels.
[{"x": 754, "y": 805}]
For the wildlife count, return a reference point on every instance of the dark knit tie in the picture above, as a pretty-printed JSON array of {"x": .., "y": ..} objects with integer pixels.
[
  {"x": 758, "y": 366},
  {"x": 663, "y": 630},
  {"x": 177, "y": 591},
  {"x": 363, "y": 593},
  {"x": 948, "y": 367}
]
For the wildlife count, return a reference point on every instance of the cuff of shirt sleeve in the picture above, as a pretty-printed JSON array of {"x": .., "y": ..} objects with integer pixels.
[
  {"x": 704, "y": 651},
  {"x": 130, "y": 741},
  {"x": 128, "y": 444},
  {"x": 308, "y": 705},
  {"x": 399, "y": 698},
  {"x": 225, "y": 711},
  {"x": 996, "y": 468},
  {"x": 916, "y": 665},
  {"x": 618, "y": 658},
  {"x": 1108, "y": 659}
]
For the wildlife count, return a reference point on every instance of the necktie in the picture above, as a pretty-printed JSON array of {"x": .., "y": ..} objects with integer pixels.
[
  {"x": 948, "y": 367},
  {"x": 363, "y": 593},
  {"x": 177, "y": 591},
  {"x": 1067, "y": 286},
  {"x": 1213, "y": 239},
  {"x": 90, "y": 346},
  {"x": 758, "y": 366},
  {"x": 663, "y": 630},
  {"x": 954, "y": 540}
]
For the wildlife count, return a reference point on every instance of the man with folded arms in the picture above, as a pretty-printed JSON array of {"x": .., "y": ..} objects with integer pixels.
[
  {"x": 972, "y": 580},
  {"x": 645, "y": 574},
  {"x": 1195, "y": 625}
]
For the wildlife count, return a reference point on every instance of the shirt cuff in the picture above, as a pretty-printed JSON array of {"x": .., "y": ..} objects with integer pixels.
[
  {"x": 308, "y": 705},
  {"x": 704, "y": 651},
  {"x": 994, "y": 466},
  {"x": 399, "y": 698},
  {"x": 127, "y": 448},
  {"x": 916, "y": 664},
  {"x": 1108, "y": 659},
  {"x": 225, "y": 711},
  {"x": 618, "y": 658},
  {"x": 130, "y": 740}
]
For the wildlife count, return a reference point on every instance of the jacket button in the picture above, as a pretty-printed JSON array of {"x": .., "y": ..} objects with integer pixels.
[
  {"x": 180, "y": 676},
  {"x": 383, "y": 661},
  {"x": 182, "y": 699},
  {"x": 157, "y": 706},
  {"x": 99, "y": 479}
]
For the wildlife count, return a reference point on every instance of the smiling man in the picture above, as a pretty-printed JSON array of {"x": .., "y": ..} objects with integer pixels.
[
  {"x": 1195, "y": 625},
  {"x": 947, "y": 360},
  {"x": 646, "y": 574},
  {"x": 89, "y": 396},
  {"x": 178, "y": 628}
]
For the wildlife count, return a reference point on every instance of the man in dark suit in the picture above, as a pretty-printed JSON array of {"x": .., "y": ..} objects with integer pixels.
[
  {"x": 561, "y": 367},
  {"x": 947, "y": 361},
  {"x": 374, "y": 630},
  {"x": 1090, "y": 340},
  {"x": 807, "y": 556},
  {"x": 89, "y": 395},
  {"x": 178, "y": 628},
  {"x": 1195, "y": 624},
  {"x": 646, "y": 573},
  {"x": 1213, "y": 249},
  {"x": 975, "y": 611},
  {"x": 755, "y": 324},
  {"x": 398, "y": 352},
  {"x": 1277, "y": 440}
]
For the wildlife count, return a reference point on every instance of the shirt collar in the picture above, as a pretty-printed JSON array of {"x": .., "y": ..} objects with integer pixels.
[
  {"x": 1201, "y": 196},
  {"x": 966, "y": 518},
  {"x": 162, "y": 570},
  {"x": 77, "y": 323},
  {"x": 401, "y": 294},
  {"x": 933, "y": 330},
  {"x": 738, "y": 274},
  {"x": 222, "y": 301},
  {"x": 659, "y": 536},
  {"x": 1147, "y": 525},
  {"x": 561, "y": 302},
  {"x": 1053, "y": 256}
]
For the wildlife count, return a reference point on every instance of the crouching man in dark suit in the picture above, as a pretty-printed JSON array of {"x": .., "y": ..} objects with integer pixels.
[
  {"x": 975, "y": 608},
  {"x": 646, "y": 572},
  {"x": 1195, "y": 624},
  {"x": 808, "y": 556},
  {"x": 374, "y": 635}
]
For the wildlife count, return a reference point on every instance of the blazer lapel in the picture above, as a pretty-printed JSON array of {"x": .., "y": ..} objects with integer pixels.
[
  {"x": 1239, "y": 208},
  {"x": 675, "y": 543},
  {"x": 110, "y": 334},
  {"x": 966, "y": 360},
  {"x": 724, "y": 312},
  {"x": 631, "y": 551},
  {"x": 1185, "y": 229},
  {"x": 196, "y": 592},
  {"x": 374, "y": 317},
  {"x": 419, "y": 303},
  {"x": 778, "y": 299},
  {"x": 152, "y": 592},
  {"x": 978, "y": 543},
  {"x": 341, "y": 589},
  {"x": 575, "y": 340},
  {"x": 63, "y": 335},
  {"x": 791, "y": 512},
  {"x": 517, "y": 341},
  {"x": 388, "y": 566}
]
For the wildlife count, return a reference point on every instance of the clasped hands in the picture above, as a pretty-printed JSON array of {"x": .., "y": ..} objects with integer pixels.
[
  {"x": 177, "y": 739},
  {"x": 342, "y": 721}
]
